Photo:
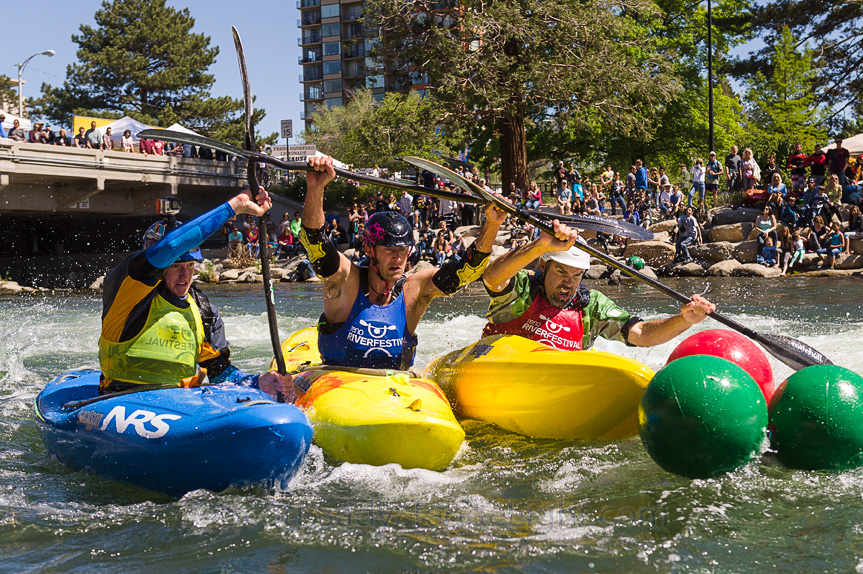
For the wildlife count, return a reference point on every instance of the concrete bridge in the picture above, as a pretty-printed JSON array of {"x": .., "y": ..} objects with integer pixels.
[
  {"x": 40, "y": 179},
  {"x": 68, "y": 214}
]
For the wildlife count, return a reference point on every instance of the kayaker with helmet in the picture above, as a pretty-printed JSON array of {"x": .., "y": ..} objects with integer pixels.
[
  {"x": 554, "y": 307},
  {"x": 159, "y": 329},
  {"x": 371, "y": 313}
]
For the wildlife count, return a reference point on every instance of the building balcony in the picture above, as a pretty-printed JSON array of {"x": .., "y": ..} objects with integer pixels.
[
  {"x": 311, "y": 76},
  {"x": 354, "y": 14},
  {"x": 309, "y": 60},
  {"x": 309, "y": 39},
  {"x": 309, "y": 19},
  {"x": 308, "y": 3},
  {"x": 357, "y": 51}
]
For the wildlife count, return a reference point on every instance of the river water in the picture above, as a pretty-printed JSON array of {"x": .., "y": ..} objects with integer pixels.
[{"x": 506, "y": 504}]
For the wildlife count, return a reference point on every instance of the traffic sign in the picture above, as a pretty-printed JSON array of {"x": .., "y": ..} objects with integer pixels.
[{"x": 287, "y": 129}]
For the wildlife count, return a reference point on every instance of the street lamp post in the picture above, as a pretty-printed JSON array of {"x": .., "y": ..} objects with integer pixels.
[
  {"x": 21, "y": 67},
  {"x": 710, "y": 143}
]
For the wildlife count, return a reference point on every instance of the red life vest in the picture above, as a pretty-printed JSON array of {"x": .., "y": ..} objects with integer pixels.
[{"x": 543, "y": 322}]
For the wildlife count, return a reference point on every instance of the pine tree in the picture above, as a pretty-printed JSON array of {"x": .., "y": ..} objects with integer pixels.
[
  {"x": 783, "y": 105},
  {"x": 143, "y": 60}
]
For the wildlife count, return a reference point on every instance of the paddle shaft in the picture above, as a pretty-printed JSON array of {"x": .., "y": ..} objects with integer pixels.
[
  {"x": 263, "y": 242},
  {"x": 602, "y": 224},
  {"x": 800, "y": 356}
]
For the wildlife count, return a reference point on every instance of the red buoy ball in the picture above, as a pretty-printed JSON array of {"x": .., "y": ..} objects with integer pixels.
[
  {"x": 816, "y": 419},
  {"x": 734, "y": 347},
  {"x": 702, "y": 416}
]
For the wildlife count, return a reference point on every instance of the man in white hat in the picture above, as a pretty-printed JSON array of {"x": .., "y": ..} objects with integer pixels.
[{"x": 554, "y": 307}]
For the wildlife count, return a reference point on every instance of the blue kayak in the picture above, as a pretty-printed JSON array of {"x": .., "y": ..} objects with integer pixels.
[{"x": 173, "y": 440}]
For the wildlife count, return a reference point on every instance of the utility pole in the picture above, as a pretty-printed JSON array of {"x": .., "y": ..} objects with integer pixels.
[{"x": 711, "y": 141}]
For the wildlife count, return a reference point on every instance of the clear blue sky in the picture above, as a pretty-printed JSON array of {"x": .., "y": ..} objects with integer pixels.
[{"x": 269, "y": 31}]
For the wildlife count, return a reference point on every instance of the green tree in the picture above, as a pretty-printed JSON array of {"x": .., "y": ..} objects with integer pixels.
[
  {"x": 365, "y": 132},
  {"x": 500, "y": 66},
  {"x": 782, "y": 106},
  {"x": 8, "y": 94},
  {"x": 835, "y": 29},
  {"x": 143, "y": 60}
]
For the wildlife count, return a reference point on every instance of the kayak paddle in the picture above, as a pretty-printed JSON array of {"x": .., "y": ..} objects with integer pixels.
[
  {"x": 592, "y": 222},
  {"x": 794, "y": 353}
]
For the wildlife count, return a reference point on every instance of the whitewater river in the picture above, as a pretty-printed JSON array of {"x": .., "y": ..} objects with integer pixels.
[{"x": 506, "y": 504}]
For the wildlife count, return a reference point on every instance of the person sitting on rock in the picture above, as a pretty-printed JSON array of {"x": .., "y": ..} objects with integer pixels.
[
  {"x": 767, "y": 255},
  {"x": 855, "y": 226},
  {"x": 554, "y": 307},
  {"x": 818, "y": 234},
  {"x": 766, "y": 226},
  {"x": 799, "y": 251},
  {"x": 834, "y": 245},
  {"x": 688, "y": 232},
  {"x": 631, "y": 214}
]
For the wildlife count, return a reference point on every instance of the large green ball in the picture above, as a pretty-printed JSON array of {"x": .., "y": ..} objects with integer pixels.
[
  {"x": 816, "y": 419},
  {"x": 702, "y": 416}
]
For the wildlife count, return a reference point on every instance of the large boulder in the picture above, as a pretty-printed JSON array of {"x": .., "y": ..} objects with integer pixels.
[
  {"x": 757, "y": 270},
  {"x": 229, "y": 275},
  {"x": 746, "y": 251},
  {"x": 849, "y": 261},
  {"x": 856, "y": 245},
  {"x": 654, "y": 253},
  {"x": 467, "y": 230},
  {"x": 277, "y": 273},
  {"x": 595, "y": 271},
  {"x": 724, "y": 268},
  {"x": 647, "y": 271},
  {"x": 831, "y": 273},
  {"x": 719, "y": 251},
  {"x": 97, "y": 284},
  {"x": 733, "y": 232},
  {"x": 421, "y": 264},
  {"x": 728, "y": 215},
  {"x": 664, "y": 226},
  {"x": 690, "y": 269},
  {"x": 247, "y": 277}
]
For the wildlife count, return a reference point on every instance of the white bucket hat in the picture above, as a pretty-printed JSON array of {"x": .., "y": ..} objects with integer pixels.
[{"x": 574, "y": 257}]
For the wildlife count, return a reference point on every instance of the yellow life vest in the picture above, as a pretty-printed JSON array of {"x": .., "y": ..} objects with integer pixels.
[{"x": 165, "y": 352}]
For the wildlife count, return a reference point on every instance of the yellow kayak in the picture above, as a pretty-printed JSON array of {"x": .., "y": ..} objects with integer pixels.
[
  {"x": 372, "y": 416},
  {"x": 532, "y": 389}
]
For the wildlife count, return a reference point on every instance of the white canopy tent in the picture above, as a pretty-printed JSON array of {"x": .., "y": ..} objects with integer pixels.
[
  {"x": 854, "y": 144},
  {"x": 8, "y": 122},
  {"x": 120, "y": 126},
  {"x": 185, "y": 130}
]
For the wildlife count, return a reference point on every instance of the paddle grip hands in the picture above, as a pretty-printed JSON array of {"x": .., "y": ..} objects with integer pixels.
[
  {"x": 243, "y": 202},
  {"x": 278, "y": 386},
  {"x": 696, "y": 311},
  {"x": 564, "y": 238}
]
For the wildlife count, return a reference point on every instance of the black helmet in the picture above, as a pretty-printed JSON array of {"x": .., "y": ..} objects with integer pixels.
[{"x": 389, "y": 229}]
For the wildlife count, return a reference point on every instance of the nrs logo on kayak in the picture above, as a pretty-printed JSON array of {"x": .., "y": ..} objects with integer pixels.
[{"x": 158, "y": 425}]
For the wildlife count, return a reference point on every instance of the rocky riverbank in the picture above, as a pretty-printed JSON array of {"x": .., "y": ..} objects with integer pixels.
[{"x": 730, "y": 249}]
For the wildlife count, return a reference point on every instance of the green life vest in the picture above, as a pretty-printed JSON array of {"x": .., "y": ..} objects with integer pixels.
[{"x": 165, "y": 352}]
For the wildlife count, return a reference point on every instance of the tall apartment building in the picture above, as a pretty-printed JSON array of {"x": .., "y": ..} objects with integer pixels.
[{"x": 334, "y": 58}]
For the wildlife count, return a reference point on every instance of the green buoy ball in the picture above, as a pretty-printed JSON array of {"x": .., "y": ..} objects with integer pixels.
[
  {"x": 816, "y": 419},
  {"x": 702, "y": 416}
]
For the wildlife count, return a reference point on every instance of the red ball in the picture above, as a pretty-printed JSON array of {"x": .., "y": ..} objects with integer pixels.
[{"x": 734, "y": 347}]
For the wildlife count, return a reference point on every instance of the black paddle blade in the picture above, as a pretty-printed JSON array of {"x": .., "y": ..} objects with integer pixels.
[
  {"x": 592, "y": 222},
  {"x": 794, "y": 353},
  {"x": 192, "y": 139}
]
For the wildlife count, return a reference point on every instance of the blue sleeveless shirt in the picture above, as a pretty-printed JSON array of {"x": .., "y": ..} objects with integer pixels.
[{"x": 373, "y": 336}]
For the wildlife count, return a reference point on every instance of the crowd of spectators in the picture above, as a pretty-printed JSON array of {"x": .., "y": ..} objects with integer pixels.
[
  {"x": 807, "y": 217},
  {"x": 102, "y": 139}
]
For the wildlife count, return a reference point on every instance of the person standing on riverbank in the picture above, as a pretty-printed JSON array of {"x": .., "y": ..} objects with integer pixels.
[
  {"x": 371, "y": 313},
  {"x": 156, "y": 327}
]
